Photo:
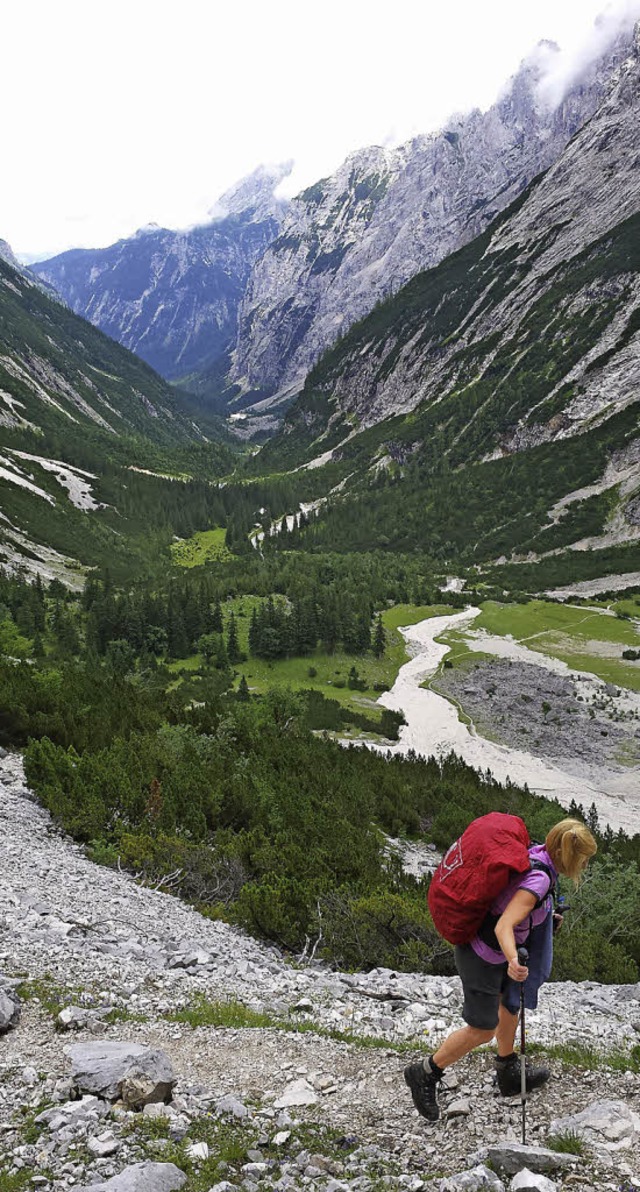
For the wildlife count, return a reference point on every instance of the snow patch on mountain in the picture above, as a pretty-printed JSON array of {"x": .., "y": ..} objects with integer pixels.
[{"x": 74, "y": 480}]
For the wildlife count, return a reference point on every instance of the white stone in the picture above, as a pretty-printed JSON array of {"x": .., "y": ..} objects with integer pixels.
[
  {"x": 299, "y": 1092},
  {"x": 530, "y": 1180}
]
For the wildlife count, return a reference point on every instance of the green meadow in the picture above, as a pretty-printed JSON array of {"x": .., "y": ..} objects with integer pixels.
[
  {"x": 320, "y": 670},
  {"x": 584, "y": 638},
  {"x": 207, "y": 546}
]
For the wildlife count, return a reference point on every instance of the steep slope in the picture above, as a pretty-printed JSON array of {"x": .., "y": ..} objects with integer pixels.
[
  {"x": 359, "y": 235},
  {"x": 276, "y": 1063},
  {"x": 76, "y": 412},
  {"x": 504, "y": 384},
  {"x": 172, "y": 297}
]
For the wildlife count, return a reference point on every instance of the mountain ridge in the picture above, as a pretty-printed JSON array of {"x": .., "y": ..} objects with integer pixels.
[
  {"x": 435, "y": 194},
  {"x": 172, "y": 296}
]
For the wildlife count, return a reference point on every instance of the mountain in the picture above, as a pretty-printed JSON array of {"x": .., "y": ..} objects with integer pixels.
[
  {"x": 172, "y": 297},
  {"x": 77, "y": 414},
  {"x": 386, "y": 214},
  {"x": 491, "y": 406},
  {"x": 7, "y": 254}
]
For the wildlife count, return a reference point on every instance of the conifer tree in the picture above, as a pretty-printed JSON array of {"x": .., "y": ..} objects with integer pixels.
[
  {"x": 254, "y": 633},
  {"x": 379, "y": 638},
  {"x": 243, "y": 690},
  {"x": 233, "y": 649}
]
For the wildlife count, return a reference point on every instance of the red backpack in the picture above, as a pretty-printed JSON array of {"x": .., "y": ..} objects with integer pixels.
[{"x": 474, "y": 871}]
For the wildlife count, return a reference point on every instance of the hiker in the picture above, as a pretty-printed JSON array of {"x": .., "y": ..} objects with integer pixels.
[{"x": 522, "y": 914}]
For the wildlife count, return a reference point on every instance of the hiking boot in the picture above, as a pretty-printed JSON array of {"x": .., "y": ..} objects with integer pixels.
[
  {"x": 508, "y": 1076},
  {"x": 423, "y": 1087}
]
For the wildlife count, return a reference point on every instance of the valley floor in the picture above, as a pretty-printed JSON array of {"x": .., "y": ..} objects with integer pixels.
[
  {"x": 522, "y": 711},
  {"x": 74, "y": 932}
]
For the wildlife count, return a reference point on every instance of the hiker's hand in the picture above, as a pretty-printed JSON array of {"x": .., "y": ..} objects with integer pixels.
[
  {"x": 517, "y": 972},
  {"x": 558, "y": 920}
]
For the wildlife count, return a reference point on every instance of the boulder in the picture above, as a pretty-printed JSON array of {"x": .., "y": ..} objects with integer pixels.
[
  {"x": 299, "y": 1092},
  {"x": 476, "y": 1179},
  {"x": 10, "y": 1008},
  {"x": 73, "y": 1113},
  {"x": 509, "y": 1158},
  {"x": 142, "y": 1177},
  {"x": 231, "y": 1106},
  {"x": 532, "y": 1182},
  {"x": 104, "y": 1145},
  {"x": 612, "y": 1124},
  {"x": 136, "y": 1074},
  {"x": 72, "y": 1018},
  {"x": 459, "y": 1108}
]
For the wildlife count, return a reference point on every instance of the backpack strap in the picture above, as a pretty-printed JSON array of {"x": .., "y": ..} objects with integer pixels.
[
  {"x": 487, "y": 929},
  {"x": 540, "y": 865}
]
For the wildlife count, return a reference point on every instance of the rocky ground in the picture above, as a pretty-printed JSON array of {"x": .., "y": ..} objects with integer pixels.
[
  {"x": 550, "y": 715},
  {"x": 299, "y": 1086}
]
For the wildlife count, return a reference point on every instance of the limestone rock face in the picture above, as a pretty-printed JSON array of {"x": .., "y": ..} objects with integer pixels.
[
  {"x": 385, "y": 215},
  {"x": 137, "y": 1074},
  {"x": 559, "y": 261},
  {"x": 172, "y": 297}
]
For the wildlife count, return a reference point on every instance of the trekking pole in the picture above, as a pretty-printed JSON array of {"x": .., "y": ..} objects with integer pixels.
[{"x": 523, "y": 957}]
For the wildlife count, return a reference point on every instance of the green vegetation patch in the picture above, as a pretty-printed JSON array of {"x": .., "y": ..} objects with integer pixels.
[
  {"x": 575, "y": 1054},
  {"x": 231, "y": 1014},
  {"x": 585, "y": 639},
  {"x": 206, "y": 546},
  {"x": 327, "y": 673},
  {"x": 228, "y": 1141},
  {"x": 567, "y": 1143}
]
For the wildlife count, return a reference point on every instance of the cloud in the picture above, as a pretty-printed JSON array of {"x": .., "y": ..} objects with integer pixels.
[{"x": 564, "y": 68}]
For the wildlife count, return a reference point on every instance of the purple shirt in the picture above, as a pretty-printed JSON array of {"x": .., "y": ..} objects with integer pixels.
[{"x": 538, "y": 882}]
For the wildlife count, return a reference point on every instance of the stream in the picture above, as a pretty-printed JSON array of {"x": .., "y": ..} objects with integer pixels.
[{"x": 433, "y": 727}]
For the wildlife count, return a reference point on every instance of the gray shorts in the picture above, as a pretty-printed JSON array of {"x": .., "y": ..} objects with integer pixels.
[{"x": 482, "y": 985}]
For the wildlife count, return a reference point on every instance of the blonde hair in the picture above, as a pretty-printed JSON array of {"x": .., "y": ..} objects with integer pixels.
[{"x": 570, "y": 844}]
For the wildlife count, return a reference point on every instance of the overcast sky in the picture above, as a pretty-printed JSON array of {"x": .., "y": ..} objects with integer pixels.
[{"x": 118, "y": 113}]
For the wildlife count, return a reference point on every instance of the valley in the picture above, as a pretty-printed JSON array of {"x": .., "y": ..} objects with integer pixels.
[
  {"x": 539, "y": 721},
  {"x": 319, "y": 539}
]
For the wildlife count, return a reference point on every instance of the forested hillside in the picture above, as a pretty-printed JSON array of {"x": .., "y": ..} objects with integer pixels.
[
  {"x": 176, "y": 769},
  {"x": 97, "y": 460}
]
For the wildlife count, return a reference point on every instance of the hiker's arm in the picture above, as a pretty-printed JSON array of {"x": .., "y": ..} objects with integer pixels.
[{"x": 519, "y": 908}]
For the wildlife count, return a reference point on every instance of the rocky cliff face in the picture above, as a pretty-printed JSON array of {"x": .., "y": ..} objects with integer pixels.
[
  {"x": 172, "y": 297},
  {"x": 358, "y": 236},
  {"x": 572, "y": 233},
  {"x": 514, "y": 365}
]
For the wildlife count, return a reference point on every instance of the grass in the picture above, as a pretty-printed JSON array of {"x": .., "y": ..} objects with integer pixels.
[
  {"x": 580, "y": 1055},
  {"x": 15, "y": 1182},
  {"x": 234, "y": 1015},
  {"x": 53, "y": 998},
  {"x": 206, "y": 546},
  {"x": 567, "y": 1143},
  {"x": 586, "y": 640},
  {"x": 229, "y": 1140},
  {"x": 47, "y": 993},
  {"x": 231, "y": 1014},
  {"x": 331, "y": 669}
]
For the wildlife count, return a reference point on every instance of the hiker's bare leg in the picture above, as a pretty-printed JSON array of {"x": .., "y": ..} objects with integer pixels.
[
  {"x": 506, "y": 1031},
  {"x": 461, "y": 1043}
]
